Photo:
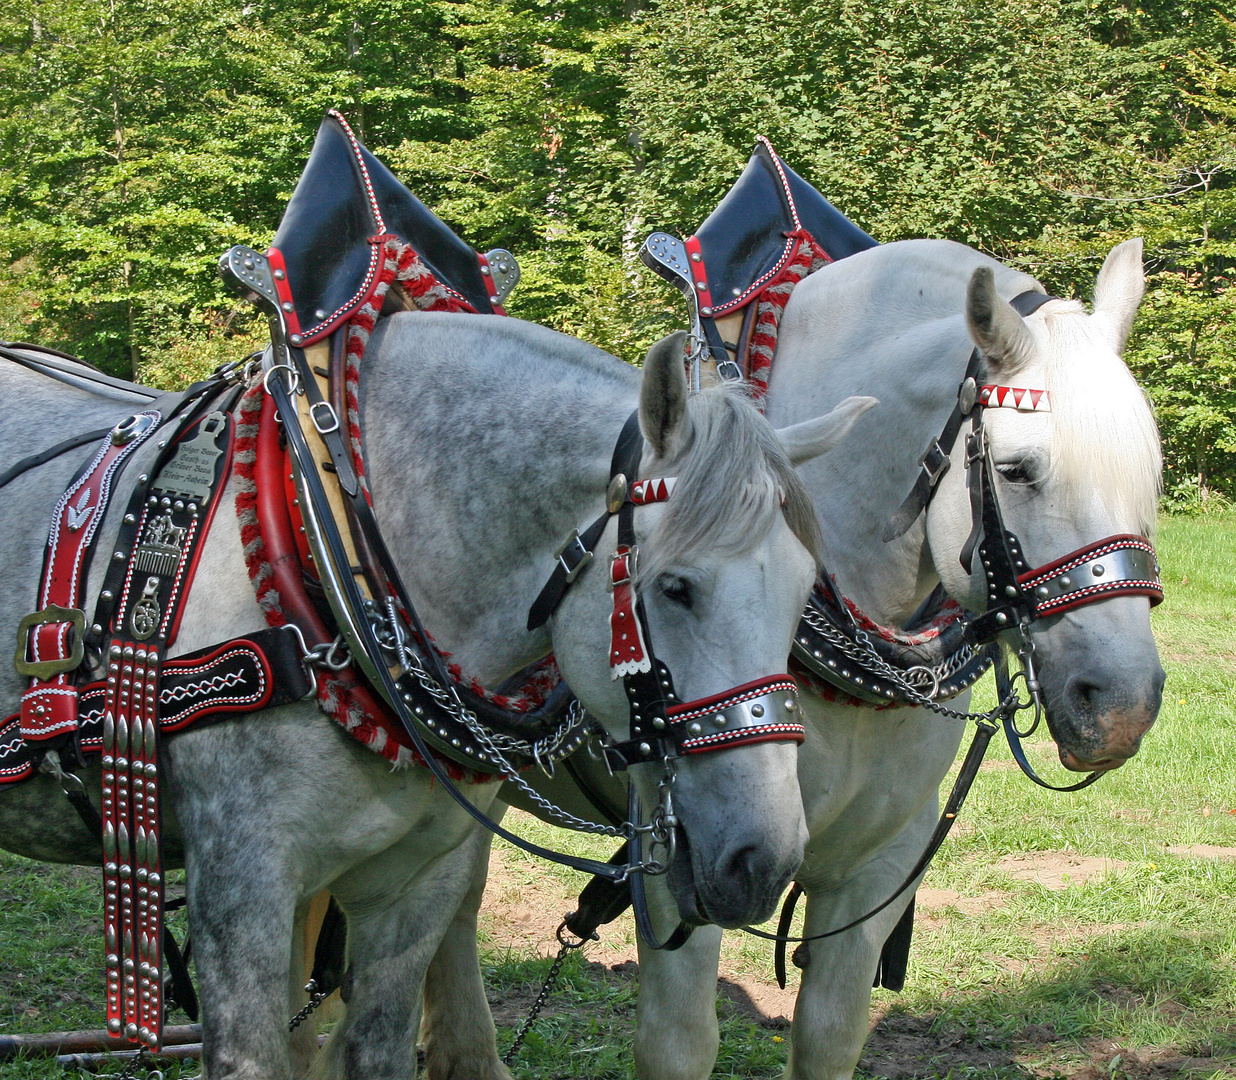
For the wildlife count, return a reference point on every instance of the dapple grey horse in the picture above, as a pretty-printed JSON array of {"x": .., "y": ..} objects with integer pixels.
[
  {"x": 899, "y": 321},
  {"x": 487, "y": 442}
]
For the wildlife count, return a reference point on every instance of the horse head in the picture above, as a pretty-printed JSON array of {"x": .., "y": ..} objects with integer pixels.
[
  {"x": 1078, "y": 464},
  {"x": 724, "y": 569}
]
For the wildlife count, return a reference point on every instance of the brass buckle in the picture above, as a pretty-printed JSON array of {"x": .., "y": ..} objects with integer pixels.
[{"x": 45, "y": 669}]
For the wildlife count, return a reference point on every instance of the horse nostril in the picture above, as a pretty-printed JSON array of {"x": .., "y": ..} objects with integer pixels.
[{"x": 1085, "y": 695}]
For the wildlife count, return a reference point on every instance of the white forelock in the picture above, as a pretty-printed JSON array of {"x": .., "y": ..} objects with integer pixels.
[{"x": 1105, "y": 441}]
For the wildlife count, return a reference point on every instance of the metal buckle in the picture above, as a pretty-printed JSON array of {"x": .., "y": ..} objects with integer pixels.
[
  {"x": 729, "y": 371},
  {"x": 581, "y": 556},
  {"x": 45, "y": 669},
  {"x": 938, "y": 463},
  {"x": 331, "y": 423}
]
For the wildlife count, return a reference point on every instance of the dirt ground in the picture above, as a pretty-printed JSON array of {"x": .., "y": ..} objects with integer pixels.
[{"x": 523, "y": 906}]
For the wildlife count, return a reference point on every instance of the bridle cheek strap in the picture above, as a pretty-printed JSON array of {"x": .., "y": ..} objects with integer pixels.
[{"x": 1122, "y": 565}]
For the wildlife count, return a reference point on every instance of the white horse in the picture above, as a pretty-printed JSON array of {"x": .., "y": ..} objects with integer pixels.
[
  {"x": 487, "y": 442},
  {"x": 900, "y": 321}
]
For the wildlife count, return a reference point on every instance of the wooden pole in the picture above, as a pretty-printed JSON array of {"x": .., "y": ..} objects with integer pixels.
[{"x": 85, "y": 1042}]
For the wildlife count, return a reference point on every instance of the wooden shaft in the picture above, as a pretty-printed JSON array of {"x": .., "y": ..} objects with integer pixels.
[{"x": 83, "y": 1042}]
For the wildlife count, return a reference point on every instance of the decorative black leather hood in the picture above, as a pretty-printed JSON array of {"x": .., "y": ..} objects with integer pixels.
[
  {"x": 330, "y": 240},
  {"x": 746, "y": 240}
]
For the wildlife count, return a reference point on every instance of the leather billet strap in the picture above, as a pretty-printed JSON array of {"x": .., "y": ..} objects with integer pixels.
[
  {"x": 51, "y": 640},
  {"x": 170, "y": 517}
]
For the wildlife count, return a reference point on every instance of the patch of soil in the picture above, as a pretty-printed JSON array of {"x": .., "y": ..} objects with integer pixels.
[
  {"x": 928, "y": 901},
  {"x": 1056, "y": 870},
  {"x": 906, "y": 1047},
  {"x": 1204, "y": 851},
  {"x": 1110, "y": 1061}
]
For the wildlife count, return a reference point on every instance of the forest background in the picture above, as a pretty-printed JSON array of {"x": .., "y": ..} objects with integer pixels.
[{"x": 141, "y": 138}]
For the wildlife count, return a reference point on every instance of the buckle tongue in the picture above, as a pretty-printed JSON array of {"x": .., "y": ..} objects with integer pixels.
[{"x": 46, "y": 669}]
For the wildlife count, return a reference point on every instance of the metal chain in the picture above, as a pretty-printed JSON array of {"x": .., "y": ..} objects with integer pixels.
[
  {"x": 546, "y": 989},
  {"x": 137, "y": 1061},
  {"x": 315, "y": 1000},
  {"x": 392, "y": 637},
  {"x": 860, "y": 650}
]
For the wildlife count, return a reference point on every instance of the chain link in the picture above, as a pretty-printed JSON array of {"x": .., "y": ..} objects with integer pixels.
[
  {"x": 315, "y": 1000},
  {"x": 861, "y": 651},
  {"x": 546, "y": 989}
]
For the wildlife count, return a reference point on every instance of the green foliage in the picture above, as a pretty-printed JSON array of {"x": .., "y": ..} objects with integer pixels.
[{"x": 138, "y": 141}]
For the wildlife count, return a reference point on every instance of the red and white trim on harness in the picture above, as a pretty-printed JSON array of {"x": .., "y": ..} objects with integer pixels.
[{"x": 1014, "y": 397}]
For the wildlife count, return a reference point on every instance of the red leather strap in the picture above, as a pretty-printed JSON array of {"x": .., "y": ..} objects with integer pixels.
[{"x": 49, "y": 707}]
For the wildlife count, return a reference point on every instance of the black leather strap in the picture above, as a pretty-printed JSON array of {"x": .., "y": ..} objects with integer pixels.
[
  {"x": 44, "y": 456},
  {"x": 933, "y": 464},
  {"x": 952, "y": 807},
  {"x": 630, "y": 439}
]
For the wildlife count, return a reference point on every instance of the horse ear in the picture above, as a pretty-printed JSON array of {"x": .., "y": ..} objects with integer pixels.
[
  {"x": 1118, "y": 292},
  {"x": 811, "y": 438},
  {"x": 998, "y": 331},
  {"x": 663, "y": 395}
]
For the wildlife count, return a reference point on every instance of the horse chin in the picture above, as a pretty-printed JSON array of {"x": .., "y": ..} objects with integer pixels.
[{"x": 1075, "y": 764}]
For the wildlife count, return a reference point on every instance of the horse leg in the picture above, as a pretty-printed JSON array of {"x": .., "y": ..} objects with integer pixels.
[
  {"x": 242, "y": 927},
  {"x": 460, "y": 1039},
  {"x": 676, "y": 1034},
  {"x": 399, "y": 904},
  {"x": 831, "y": 1014}
]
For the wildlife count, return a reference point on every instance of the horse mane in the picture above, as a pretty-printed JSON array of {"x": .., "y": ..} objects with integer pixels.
[
  {"x": 1105, "y": 441},
  {"x": 732, "y": 481}
]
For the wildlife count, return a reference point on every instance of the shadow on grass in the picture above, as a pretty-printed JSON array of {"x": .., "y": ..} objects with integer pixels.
[{"x": 1141, "y": 1005}]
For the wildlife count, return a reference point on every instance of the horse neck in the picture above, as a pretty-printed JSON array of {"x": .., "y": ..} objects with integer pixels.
[
  {"x": 842, "y": 335},
  {"x": 485, "y": 443}
]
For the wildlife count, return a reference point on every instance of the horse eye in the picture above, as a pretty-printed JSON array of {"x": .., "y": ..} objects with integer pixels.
[
  {"x": 675, "y": 589},
  {"x": 1017, "y": 472}
]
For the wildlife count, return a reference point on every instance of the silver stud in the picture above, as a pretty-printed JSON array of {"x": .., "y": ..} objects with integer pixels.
[
  {"x": 706, "y": 312},
  {"x": 658, "y": 723},
  {"x": 736, "y": 291},
  {"x": 789, "y": 704},
  {"x": 1097, "y": 569},
  {"x": 296, "y": 339},
  {"x": 1001, "y": 617},
  {"x": 485, "y": 270},
  {"x": 280, "y": 275},
  {"x": 1066, "y": 582},
  {"x": 1043, "y": 592},
  {"x": 696, "y": 256},
  {"x": 1010, "y": 590},
  {"x": 702, "y": 286},
  {"x": 757, "y": 710},
  {"x": 118, "y": 556},
  {"x": 645, "y": 749},
  {"x": 495, "y": 300},
  {"x": 143, "y": 478},
  {"x": 719, "y": 719},
  {"x": 96, "y": 629},
  {"x": 694, "y": 727},
  {"x": 286, "y": 305},
  {"x": 319, "y": 314}
]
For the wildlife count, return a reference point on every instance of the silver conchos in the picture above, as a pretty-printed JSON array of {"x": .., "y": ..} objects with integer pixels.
[{"x": 503, "y": 273}]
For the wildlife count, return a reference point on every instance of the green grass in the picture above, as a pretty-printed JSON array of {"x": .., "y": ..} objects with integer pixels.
[{"x": 1128, "y": 975}]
